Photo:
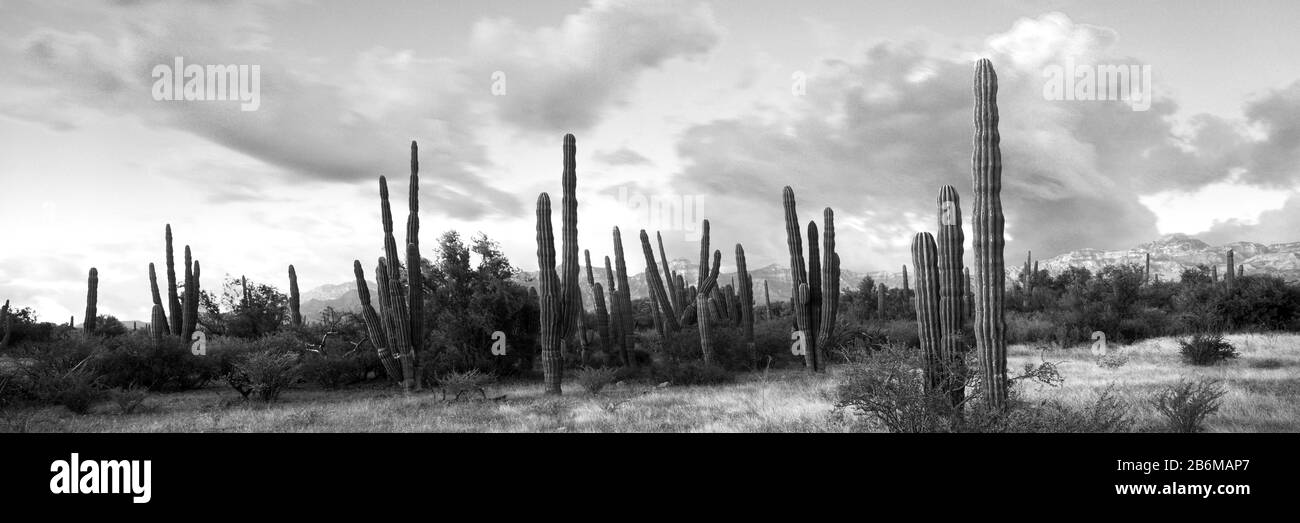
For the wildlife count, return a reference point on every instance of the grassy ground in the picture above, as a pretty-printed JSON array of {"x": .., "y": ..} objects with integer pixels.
[{"x": 1263, "y": 384}]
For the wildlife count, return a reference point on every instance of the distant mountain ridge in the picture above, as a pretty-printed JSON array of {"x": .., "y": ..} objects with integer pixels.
[{"x": 1169, "y": 256}]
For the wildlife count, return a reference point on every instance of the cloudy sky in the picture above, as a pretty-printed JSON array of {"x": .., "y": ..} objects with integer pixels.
[{"x": 687, "y": 102}]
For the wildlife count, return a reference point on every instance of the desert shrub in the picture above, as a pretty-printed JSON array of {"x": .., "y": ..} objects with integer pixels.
[
  {"x": 470, "y": 381},
  {"x": 888, "y": 386},
  {"x": 332, "y": 371},
  {"x": 593, "y": 380},
  {"x": 138, "y": 360},
  {"x": 1185, "y": 405},
  {"x": 1107, "y": 413},
  {"x": 264, "y": 374},
  {"x": 772, "y": 343},
  {"x": 1206, "y": 349},
  {"x": 1258, "y": 301},
  {"x": 690, "y": 373},
  {"x": 76, "y": 388},
  {"x": 128, "y": 399}
]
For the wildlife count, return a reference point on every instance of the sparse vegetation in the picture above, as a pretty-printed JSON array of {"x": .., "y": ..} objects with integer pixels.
[
  {"x": 1206, "y": 349},
  {"x": 1186, "y": 404}
]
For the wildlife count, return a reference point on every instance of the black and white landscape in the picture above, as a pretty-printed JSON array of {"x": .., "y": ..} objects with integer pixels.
[{"x": 649, "y": 216}]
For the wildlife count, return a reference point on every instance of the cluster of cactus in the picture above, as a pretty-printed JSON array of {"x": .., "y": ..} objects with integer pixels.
[
  {"x": 602, "y": 311},
  {"x": 815, "y": 288},
  {"x": 397, "y": 329},
  {"x": 940, "y": 299},
  {"x": 673, "y": 302},
  {"x": 988, "y": 241},
  {"x": 295, "y": 311},
  {"x": 559, "y": 293},
  {"x": 184, "y": 305}
]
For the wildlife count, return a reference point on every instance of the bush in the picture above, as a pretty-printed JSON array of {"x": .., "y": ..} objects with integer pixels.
[
  {"x": 888, "y": 386},
  {"x": 137, "y": 360},
  {"x": 1206, "y": 349},
  {"x": 266, "y": 374},
  {"x": 593, "y": 380},
  {"x": 1105, "y": 414},
  {"x": 333, "y": 371},
  {"x": 1186, "y": 404}
]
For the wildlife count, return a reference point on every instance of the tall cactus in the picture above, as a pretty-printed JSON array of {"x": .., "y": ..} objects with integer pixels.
[
  {"x": 815, "y": 307},
  {"x": 173, "y": 301},
  {"x": 92, "y": 296},
  {"x": 616, "y": 325},
  {"x": 881, "y": 292},
  {"x": 746, "y": 304},
  {"x": 627, "y": 328},
  {"x": 1146, "y": 274},
  {"x": 157, "y": 300},
  {"x": 767, "y": 300},
  {"x": 988, "y": 243},
  {"x": 602, "y": 312},
  {"x": 952, "y": 294},
  {"x": 905, "y": 281},
  {"x": 375, "y": 329},
  {"x": 925, "y": 258},
  {"x": 658, "y": 292},
  {"x": 190, "y": 307},
  {"x": 414, "y": 272},
  {"x": 1231, "y": 273},
  {"x": 708, "y": 279},
  {"x": 7, "y": 322},
  {"x": 558, "y": 293},
  {"x": 295, "y": 310}
]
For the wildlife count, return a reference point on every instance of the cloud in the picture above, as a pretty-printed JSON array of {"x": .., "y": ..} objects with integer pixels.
[
  {"x": 562, "y": 79},
  {"x": 879, "y": 133},
  {"x": 621, "y": 156}
]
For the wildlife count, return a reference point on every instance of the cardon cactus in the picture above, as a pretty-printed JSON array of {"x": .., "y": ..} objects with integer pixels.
[
  {"x": 626, "y": 329},
  {"x": 414, "y": 273},
  {"x": 295, "y": 312},
  {"x": 400, "y": 316},
  {"x": 1146, "y": 274},
  {"x": 1230, "y": 274},
  {"x": 616, "y": 324},
  {"x": 881, "y": 292},
  {"x": 815, "y": 307},
  {"x": 173, "y": 300},
  {"x": 988, "y": 241},
  {"x": 558, "y": 293},
  {"x": 158, "y": 326},
  {"x": 157, "y": 300},
  {"x": 602, "y": 312},
  {"x": 925, "y": 258},
  {"x": 7, "y": 323},
  {"x": 708, "y": 279},
  {"x": 746, "y": 303},
  {"x": 374, "y": 328},
  {"x": 659, "y": 293},
  {"x": 767, "y": 300},
  {"x": 190, "y": 308},
  {"x": 92, "y": 296},
  {"x": 952, "y": 293}
]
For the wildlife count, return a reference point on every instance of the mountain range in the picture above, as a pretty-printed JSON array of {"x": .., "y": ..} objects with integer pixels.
[{"x": 1169, "y": 256}]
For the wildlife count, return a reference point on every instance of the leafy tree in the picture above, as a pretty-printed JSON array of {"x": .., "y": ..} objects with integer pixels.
[{"x": 263, "y": 311}]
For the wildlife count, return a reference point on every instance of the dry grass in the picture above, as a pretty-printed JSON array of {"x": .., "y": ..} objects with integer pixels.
[
  {"x": 783, "y": 402},
  {"x": 1263, "y": 382},
  {"x": 1263, "y": 396}
]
